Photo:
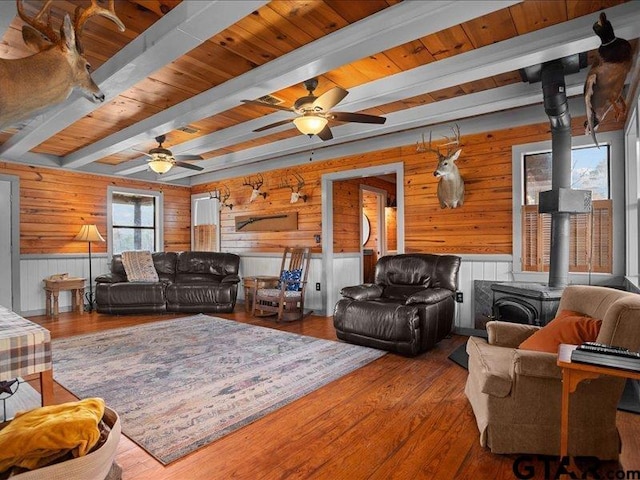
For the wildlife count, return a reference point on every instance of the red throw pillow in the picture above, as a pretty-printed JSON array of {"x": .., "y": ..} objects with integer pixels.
[{"x": 568, "y": 327}]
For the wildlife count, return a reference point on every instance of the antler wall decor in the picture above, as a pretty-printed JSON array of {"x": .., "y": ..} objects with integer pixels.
[
  {"x": 296, "y": 190},
  {"x": 222, "y": 197},
  {"x": 451, "y": 184},
  {"x": 46, "y": 78},
  {"x": 256, "y": 186}
]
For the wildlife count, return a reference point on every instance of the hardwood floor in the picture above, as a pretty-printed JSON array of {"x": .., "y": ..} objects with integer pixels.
[{"x": 404, "y": 418}]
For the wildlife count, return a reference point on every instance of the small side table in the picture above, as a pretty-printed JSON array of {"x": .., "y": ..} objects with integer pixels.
[
  {"x": 251, "y": 284},
  {"x": 54, "y": 287},
  {"x": 572, "y": 374}
]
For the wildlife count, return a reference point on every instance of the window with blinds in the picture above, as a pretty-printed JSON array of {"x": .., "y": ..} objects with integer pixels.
[
  {"x": 591, "y": 239},
  {"x": 590, "y": 246}
]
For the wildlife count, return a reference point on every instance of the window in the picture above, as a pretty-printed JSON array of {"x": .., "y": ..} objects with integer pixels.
[
  {"x": 591, "y": 233},
  {"x": 134, "y": 220}
]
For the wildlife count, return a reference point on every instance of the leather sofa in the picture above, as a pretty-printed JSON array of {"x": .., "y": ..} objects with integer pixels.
[
  {"x": 188, "y": 282},
  {"x": 408, "y": 309}
]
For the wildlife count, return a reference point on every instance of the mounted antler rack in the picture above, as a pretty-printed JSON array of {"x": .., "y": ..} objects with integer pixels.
[
  {"x": 48, "y": 76},
  {"x": 422, "y": 146},
  {"x": 450, "y": 183},
  {"x": 255, "y": 185},
  {"x": 222, "y": 197},
  {"x": 296, "y": 190}
]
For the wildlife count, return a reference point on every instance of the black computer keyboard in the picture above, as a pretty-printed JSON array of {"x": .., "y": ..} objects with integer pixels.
[{"x": 607, "y": 356}]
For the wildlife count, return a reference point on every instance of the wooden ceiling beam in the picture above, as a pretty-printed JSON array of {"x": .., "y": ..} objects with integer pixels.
[
  {"x": 8, "y": 11},
  {"x": 529, "y": 49},
  {"x": 391, "y": 27},
  {"x": 487, "y": 101}
]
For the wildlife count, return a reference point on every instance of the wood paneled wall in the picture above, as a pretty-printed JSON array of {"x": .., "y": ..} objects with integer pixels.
[
  {"x": 483, "y": 225},
  {"x": 54, "y": 204}
]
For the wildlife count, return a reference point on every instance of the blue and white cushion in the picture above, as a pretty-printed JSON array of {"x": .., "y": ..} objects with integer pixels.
[{"x": 291, "y": 276}]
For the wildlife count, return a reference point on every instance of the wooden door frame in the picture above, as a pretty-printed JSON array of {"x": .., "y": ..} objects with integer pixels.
[{"x": 397, "y": 168}]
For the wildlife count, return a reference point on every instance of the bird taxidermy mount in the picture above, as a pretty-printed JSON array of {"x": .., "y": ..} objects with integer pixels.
[
  {"x": 313, "y": 113},
  {"x": 605, "y": 80},
  {"x": 30, "y": 84},
  {"x": 450, "y": 183}
]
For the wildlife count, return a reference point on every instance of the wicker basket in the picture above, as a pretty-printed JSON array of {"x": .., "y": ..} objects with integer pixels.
[{"x": 94, "y": 466}]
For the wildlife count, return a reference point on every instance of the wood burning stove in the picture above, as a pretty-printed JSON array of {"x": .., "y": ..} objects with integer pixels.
[{"x": 528, "y": 303}]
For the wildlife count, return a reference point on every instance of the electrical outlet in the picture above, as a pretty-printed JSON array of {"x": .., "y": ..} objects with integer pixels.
[
  {"x": 318, "y": 286},
  {"x": 459, "y": 297}
]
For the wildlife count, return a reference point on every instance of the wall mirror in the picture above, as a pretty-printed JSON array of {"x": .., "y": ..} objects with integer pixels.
[{"x": 366, "y": 228}]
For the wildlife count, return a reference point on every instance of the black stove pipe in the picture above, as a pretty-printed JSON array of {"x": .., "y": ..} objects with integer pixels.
[{"x": 556, "y": 106}]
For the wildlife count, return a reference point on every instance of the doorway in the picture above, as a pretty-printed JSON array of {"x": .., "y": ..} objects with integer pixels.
[
  {"x": 341, "y": 269},
  {"x": 373, "y": 236},
  {"x": 10, "y": 242}
]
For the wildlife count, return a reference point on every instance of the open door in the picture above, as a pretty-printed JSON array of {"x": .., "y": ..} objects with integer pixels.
[{"x": 373, "y": 201}]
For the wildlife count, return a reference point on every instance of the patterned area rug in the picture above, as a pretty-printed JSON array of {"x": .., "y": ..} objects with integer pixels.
[{"x": 181, "y": 384}]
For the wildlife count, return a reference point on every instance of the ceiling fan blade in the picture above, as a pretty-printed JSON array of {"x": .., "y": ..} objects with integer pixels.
[
  {"x": 273, "y": 125},
  {"x": 325, "y": 133},
  {"x": 268, "y": 105},
  {"x": 190, "y": 166},
  {"x": 329, "y": 99},
  {"x": 356, "y": 117},
  {"x": 187, "y": 156}
]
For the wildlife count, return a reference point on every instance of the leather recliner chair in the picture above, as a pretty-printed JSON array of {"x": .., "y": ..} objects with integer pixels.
[{"x": 408, "y": 309}]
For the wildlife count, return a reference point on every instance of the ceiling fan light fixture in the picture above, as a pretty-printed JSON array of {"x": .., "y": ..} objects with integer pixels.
[
  {"x": 310, "y": 124},
  {"x": 160, "y": 165}
]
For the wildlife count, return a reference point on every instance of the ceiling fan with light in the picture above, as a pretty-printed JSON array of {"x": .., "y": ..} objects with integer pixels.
[
  {"x": 161, "y": 160},
  {"x": 314, "y": 112}
]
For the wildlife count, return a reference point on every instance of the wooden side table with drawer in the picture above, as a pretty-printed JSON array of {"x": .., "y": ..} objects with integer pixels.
[
  {"x": 251, "y": 284},
  {"x": 53, "y": 288}
]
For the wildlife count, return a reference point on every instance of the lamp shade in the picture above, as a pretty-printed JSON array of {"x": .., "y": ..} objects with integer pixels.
[
  {"x": 160, "y": 165},
  {"x": 310, "y": 124},
  {"x": 89, "y": 233}
]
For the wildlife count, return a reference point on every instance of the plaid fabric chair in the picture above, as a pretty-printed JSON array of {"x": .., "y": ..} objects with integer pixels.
[{"x": 286, "y": 301}]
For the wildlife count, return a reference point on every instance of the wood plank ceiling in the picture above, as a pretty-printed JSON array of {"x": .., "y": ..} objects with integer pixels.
[{"x": 393, "y": 56}]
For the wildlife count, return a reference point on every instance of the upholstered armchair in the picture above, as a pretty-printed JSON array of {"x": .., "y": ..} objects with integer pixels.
[
  {"x": 516, "y": 394},
  {"x": 408, "y": 309}
]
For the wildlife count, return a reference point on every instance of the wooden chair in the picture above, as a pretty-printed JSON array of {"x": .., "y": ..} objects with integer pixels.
[{"x": 286, "y": 301}]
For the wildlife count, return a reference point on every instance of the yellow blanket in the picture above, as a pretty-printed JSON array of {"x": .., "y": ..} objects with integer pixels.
[{"x": 37, "y": 437}]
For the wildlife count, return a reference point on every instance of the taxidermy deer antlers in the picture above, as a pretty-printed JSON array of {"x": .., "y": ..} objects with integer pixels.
[
  {"x": 296, "y": 191},
  {"x": 451, "y": 184},
  {"x": 46, "y": 78},
  {"x": 256, "y": 186}
]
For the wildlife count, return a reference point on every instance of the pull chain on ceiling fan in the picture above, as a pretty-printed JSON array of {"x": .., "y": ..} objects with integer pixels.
[{"x": 314, "y": 112}]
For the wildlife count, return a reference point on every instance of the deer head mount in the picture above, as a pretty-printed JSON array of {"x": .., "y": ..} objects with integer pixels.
[
  {"x": 296, "y": 186},
  {"x": 222, "y": 197},
  {"x": 451, "y": 184},
  {"x": 46, "y": 78},
  {"x": 256, "y": 185}
]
